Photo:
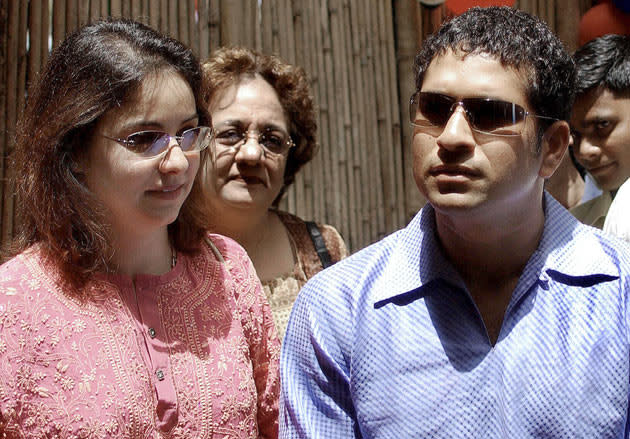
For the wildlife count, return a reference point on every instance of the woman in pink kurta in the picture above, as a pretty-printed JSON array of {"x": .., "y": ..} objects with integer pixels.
[{"x": 119, "y": 316}]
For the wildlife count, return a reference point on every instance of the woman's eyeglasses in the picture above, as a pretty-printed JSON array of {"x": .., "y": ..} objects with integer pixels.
[
  {"x": 154, "y": 143},
  {"x": 273, "y": 141},
  {"x": 432, "y": 112}
]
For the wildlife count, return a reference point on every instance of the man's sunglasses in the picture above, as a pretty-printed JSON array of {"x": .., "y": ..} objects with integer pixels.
[
  {"x": 154, "y": 143},
  {"x": 500, "y": 118}
]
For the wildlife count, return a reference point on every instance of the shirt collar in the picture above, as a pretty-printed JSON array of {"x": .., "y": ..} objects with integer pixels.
[
  {"x": 406, "y": 270},
  {"x": 566, "y": 247},
  {"x": 569, "y": 247}
]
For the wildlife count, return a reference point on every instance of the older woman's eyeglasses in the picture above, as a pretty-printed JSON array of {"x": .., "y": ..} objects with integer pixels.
[
  {"x": 155, "y": 143},
  {"x": 273, "y": 141}
]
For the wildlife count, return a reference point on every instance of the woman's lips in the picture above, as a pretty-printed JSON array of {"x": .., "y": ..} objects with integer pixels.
[
  {"x": 249, "y": 179},
  {"x": 167, "y": 193}
]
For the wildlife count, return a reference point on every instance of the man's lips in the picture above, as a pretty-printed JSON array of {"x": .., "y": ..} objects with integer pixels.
[
  {"x": 453, "y": 171},
  {"x": 600, "y": 168}
]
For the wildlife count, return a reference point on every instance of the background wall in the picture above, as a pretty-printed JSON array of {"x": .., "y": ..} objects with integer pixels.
[{"x": 358, "y": 53}]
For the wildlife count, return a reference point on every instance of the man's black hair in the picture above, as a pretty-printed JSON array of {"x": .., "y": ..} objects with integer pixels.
[
  {"x": 520, "y": 41},
  {"x": 604, "y": 61}
]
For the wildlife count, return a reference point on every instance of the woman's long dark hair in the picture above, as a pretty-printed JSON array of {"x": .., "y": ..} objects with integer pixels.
[{"x": 95, "y": 69}]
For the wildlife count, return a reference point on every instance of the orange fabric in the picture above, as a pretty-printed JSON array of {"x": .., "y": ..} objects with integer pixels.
[
  {"x": 603, "y": 19},
  {"x": 457, "y": 7}
]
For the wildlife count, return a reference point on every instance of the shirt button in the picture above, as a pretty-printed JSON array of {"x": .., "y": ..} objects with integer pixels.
[
  {"x": 151, "y": 332},
  {"x": 160, "y": 375}
]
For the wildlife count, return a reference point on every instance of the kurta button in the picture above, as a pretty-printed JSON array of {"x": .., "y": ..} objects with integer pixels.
[
  {"x": 151, "y": 332},
  {"x": 160, "y": 375}
]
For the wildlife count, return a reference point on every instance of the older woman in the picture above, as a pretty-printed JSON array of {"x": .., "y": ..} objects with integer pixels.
[
  {"x": 117, "y": 317},
  {"x": 264, "y": 121}
]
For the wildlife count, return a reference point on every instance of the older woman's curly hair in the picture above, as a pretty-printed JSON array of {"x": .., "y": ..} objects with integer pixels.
[{"x": 228, "y": 65}]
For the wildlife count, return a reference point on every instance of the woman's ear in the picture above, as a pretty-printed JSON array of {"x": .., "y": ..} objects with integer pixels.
[{"x": 553, "y": 146}]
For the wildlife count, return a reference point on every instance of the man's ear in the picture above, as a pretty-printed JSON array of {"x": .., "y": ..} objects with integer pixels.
[{"x": 553, "y": 146}]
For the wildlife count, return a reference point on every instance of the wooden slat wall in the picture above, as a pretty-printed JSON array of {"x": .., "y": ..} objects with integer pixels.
[{"x": 358, "y": 53}]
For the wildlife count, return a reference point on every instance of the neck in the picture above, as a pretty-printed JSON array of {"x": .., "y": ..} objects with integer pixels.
[
  {"x": 150, "y": 253},
  {"x": 491, "y": 249},
  {"x": 247, "y": 227},
  {"x": 566, "y": 184}
]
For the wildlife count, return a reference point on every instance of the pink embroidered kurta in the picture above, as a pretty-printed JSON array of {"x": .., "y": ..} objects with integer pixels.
[{"x": 189, "y": 354}]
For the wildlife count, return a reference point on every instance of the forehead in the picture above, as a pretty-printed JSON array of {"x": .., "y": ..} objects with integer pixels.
[
  {"x": 469, "y": 75},
  {"x": 250, "y": 100},
  {"x": 160, "y": 97},
  {"x": 599, "y": 104}
]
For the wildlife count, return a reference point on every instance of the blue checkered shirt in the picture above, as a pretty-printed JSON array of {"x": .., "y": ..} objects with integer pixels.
[{"x": 389, "y": 344}]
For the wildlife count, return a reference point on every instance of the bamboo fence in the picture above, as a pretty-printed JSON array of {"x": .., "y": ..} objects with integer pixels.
[{"x": 358, "y": 53}]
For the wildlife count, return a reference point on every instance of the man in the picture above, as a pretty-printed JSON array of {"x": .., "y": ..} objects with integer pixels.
[
  {"x": 601, "y": 120},
  {"x": 494, "y": 313}
]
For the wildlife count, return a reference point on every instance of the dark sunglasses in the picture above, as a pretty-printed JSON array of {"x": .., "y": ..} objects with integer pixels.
[
  {"x": 484, "y": 115},
  {"x": 154, "y": 143}
]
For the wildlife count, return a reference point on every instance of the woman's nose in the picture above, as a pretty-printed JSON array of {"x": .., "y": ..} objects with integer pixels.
[
  {"x": 251, "y": 151},
  {"x": 174, "y": 160}
]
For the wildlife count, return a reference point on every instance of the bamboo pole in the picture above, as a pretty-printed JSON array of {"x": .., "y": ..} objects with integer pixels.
[
  {"x": 408, "y": 34},
  {"x": 4, "y": 24},
  {"x": 59, "y": 21},
  {"x": 286, "y": 18},
  {"x": 378, "y": 219},
  {"x": 45, "y": 23},
  {"x": 214, "y": 24},
  {"x": 16, "y": 33},
  {"x": 568, "y": 22},
  {"x": 164, "y": 21},
  {"x": 9, "y": 17},
  {"x": 267, "y": 27},
  {"x": 135, "y": 9},
  {"x": 384, "y": 111},
  {"x": 145, "y": 12},
  {"x": 204, "y": 31},
  {"x": 72, "y": 16},
  {"x": 173, "y": 21},
  {"x": 319, "y": 90},
  {"x": 230, "y": 24},
  {"x": 343, "y": 113},
  {"x": 35, "y": 39},
  {"x": 182, "y": 18},
  {"x": 95, "y": 10},
  {"x": 359, "y": 236},
  {"x": 276, "y": 43},
  {"x": 126, "y": 9},
  {"x": 116, "y": 8},
  {"x": 550, "y": 13},
  {"x": 154, "y": 14},
  {"x": 248, "y": 24},
  {"x": 193, "y": 28},
  {"x": 395, "y": 135},
  {"x": 352, "y": 194},
  {"x": 301, "y": 191},
  {"x": 326, "y": 109}
]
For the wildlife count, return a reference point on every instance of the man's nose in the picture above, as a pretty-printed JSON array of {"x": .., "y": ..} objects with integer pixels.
[
  {"x": 586, "y": 150},
  {"x": 457, "y": 132}
]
